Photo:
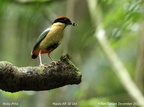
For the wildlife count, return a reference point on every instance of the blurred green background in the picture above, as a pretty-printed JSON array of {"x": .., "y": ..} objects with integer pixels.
[{"x": 21, "y": 22}]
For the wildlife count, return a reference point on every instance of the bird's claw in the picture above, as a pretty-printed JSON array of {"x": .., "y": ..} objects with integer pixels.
[
  {"x": 43, "y": 65},
  {"x": 53, "y": 62}
]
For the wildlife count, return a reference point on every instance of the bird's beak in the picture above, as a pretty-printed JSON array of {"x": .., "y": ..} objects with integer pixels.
[{"x": 73, "y": 23}]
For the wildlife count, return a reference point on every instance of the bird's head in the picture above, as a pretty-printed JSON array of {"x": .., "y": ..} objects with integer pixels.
[{"x": 65, "y": 20}]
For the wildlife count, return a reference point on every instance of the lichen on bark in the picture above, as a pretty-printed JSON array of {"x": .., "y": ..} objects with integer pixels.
[{"x": 61, "y": 73}]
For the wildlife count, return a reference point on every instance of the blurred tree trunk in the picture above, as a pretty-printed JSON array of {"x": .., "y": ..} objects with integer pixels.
[
  {"x": 70, "y": 13},
  {"x": 8, "y": 40},
  {"x": 140, "y": 61}
]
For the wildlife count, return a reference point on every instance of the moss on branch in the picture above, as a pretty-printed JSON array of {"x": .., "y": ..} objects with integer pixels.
[{"x": 14, "y": 79}]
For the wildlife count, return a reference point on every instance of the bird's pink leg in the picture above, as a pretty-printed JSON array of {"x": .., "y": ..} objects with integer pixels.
[
  {"x": 51, "y": 59},
  {"x": 40, "y": 59},
  {"x": 41, "y": 64}
]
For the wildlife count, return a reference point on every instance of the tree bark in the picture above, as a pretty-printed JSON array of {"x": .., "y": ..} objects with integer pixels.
[{"x": 61, "y": 73}]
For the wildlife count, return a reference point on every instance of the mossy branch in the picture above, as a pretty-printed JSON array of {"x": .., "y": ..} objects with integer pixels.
[{"x": 14, "y": 79}]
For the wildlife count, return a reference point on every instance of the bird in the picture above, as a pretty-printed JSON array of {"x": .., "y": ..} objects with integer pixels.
[{"x": 51, "y": 37}]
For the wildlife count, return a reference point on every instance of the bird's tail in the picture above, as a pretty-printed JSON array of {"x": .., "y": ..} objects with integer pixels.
[{"x": 33, "y": 55}]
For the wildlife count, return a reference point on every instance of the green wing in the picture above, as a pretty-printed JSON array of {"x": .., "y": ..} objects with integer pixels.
[{"x": 41, "y": 37}]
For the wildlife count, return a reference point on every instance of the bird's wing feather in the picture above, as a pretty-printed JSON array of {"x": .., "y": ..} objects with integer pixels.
[{"x": 41, "y": 37}]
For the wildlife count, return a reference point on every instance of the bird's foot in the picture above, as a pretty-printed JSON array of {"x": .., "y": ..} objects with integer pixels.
[
  {"x": 53, "y": 62},
  {"x": 43, "y": 65}
]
